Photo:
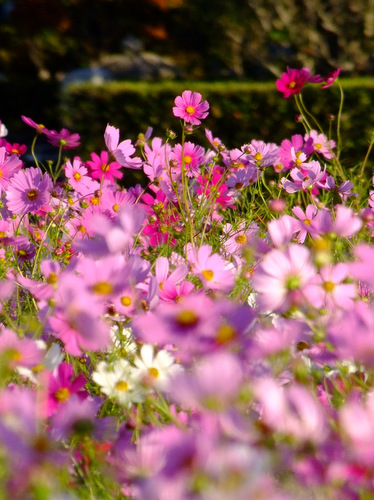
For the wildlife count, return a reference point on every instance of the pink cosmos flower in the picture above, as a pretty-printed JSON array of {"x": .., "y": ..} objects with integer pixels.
[
  {"x": 193, "y": 157},
  {"x": 262, "y": 153},
  {"x": 284, "y": 279},
  {"x": 16, "y": 148},
  {"x": 190, "y": 108},
  {"x": 62, "y": 385},
  {"x": 121, "y": 151},
  {"x": 76, "y": 318},
  {"x": 330, "y": 78},
  {"x": 101, "y": 168},
  {"x": 9, "y": 165},
  {"x": 63, "y": 139},
  {"x": 211, "y": 269},
  {"x": 292, "y": 411},
  {"x": 294, "y": 152},
  {"x": 337, "y": 293},
  {"x": 294, "y": 80},
  {"x": 213, "y": 385},
  {"x": 28, "y": 191},
  {"x": 306, "y": 223},
  {"x": 18, "y": 352},
  {"x": 321, "y": 144},
  {"x": 76, "y": 173},
  {"x": 40, "y": 128}
]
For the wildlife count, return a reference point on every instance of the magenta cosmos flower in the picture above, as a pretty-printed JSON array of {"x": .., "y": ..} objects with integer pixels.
[
  {"x": 190, "y": 108},
  {"x": 28, "y": 191},
  {"x": 63, "y": 139},
  {"x": 293, "y": 81},
  {"x": 101, "y": 167}
]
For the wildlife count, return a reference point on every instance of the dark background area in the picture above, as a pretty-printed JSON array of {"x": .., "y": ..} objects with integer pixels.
[{"x": 45, "y": 42}]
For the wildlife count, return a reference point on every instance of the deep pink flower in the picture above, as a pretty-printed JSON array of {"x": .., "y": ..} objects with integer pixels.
[
  {"x": 63, "y": 139},
  {"x": 190, "y": 108},
  {"x": 40, "y": 128},
  {"x": 101, "y": 168},
  {"x": 15, "y": 148},
  {"x": 294, "y": 80},
  {"x": 62, "y": 385},
  {"x": 28, "y": 191},
  {"x": 330, "y": 78}
]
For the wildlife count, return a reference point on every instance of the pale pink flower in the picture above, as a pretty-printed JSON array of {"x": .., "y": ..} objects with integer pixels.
[
  {"x": 211, "y": 269},
  {"x": 122, "y": 151},
  {"x": 285, "y": 278}
]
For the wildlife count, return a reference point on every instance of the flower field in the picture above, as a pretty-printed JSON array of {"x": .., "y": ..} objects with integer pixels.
[{"x": 207, "y": 335}]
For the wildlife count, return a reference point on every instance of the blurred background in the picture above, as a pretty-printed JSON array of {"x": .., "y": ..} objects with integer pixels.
[{"x": 73, "y": 62}]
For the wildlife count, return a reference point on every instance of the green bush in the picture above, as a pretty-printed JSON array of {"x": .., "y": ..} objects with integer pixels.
[{"x": 239, "y": 112}]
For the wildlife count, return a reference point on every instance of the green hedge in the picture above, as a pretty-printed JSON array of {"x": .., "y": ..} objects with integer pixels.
[{"x": 239, "y": 112}]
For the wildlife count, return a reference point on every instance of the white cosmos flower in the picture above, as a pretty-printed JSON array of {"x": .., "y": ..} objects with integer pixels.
[
  {"x": 155, "y": 370},
  {"x": 119, "y": 381}
]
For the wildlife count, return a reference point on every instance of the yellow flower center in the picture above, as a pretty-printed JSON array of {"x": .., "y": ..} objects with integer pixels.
[
  {"x": 62, "y": 394},
  {"x": 122, "y": 386},
  {"x": 328, "y": 286},
  {"x": 32, "y": 194},
  {"x": 105, "y": 167},
  {"x": 225, "y": 333},
  {"x": 241, "y": 239},
  {"x": 187, "y": 159},
  {"x": 318, "y": 145},
  {"x": 94, "y": 200},
  {"x": 190, "y": 110},
  {"x": 292, "y": 85},
  {"x": 153, "y": 372},
  {"x": 102, "y": 288},
  {"x": 77, "y": 176},
  {"x": 258, "y": 156},
  {"x": 1, "y": 174},
  {"x": 307, "y": 222},
  {"x": 208, "y": 274},
  {"x": 2, "y": 234},
  {"x": 187, "y": 318},
  {"x": 126, "y": 301},
  {"x": 116, "y": 207},
  {"x": 52, "y": 279}
]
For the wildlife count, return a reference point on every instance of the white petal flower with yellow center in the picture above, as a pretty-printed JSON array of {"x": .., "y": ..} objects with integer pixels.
[
  {"x": 155, "y": 370},
  {"x": 119, "y": 381}
]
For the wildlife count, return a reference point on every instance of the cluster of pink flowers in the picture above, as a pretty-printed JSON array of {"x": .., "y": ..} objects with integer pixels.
[{"x": 207, "y": 335}]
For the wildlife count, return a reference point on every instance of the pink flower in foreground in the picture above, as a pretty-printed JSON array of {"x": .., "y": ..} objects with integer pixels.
[
  {"x": 211, "y": 269},
  {"x": 291, "y": 82},
  {"x": 292, "y": 411},
  {"x": 285, "y": 279},
  {"x": 28, "y": 191},
  {"x": 190, "y": 108}
]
